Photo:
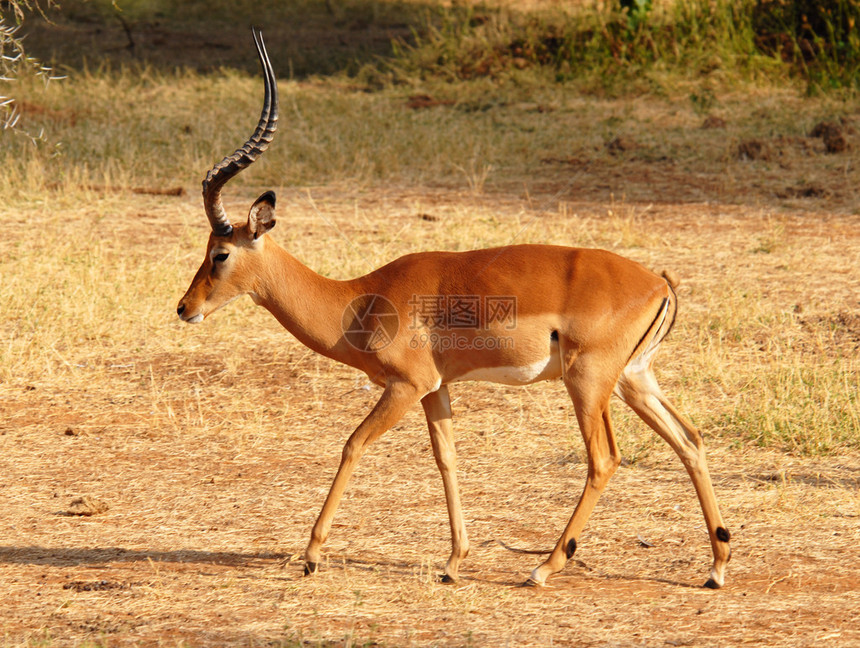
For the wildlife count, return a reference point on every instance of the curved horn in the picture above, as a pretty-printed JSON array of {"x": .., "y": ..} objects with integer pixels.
[{"x": 248, "y": 153}]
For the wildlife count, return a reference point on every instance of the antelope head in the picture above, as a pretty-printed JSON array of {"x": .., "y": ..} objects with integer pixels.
[{"x": 233, "y": 253}]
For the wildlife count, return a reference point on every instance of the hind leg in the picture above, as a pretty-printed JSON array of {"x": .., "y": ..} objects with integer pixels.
[
  {"x": 591, "y": 402},
  {"x": 639, "y": 389}
]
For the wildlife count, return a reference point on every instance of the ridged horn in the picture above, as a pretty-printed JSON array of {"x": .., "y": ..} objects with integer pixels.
[{"x": 243, "y": 157}]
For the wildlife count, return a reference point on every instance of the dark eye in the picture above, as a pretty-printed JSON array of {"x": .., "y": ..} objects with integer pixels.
[{"x": 220, "y": 258}]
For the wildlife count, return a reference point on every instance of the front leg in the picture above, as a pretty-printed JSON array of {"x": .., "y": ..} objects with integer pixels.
[
  {"x": 396, "y": 399},
  {"x": 437, "y": 408}
]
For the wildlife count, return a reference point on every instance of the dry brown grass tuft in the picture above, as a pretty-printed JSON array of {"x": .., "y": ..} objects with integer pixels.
[{"x": 213, "y": 446}]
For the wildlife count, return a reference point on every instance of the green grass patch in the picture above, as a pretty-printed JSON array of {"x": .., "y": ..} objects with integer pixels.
[
  {"x": 808, "y": 408},
  {"x": 616, "y": 47}
]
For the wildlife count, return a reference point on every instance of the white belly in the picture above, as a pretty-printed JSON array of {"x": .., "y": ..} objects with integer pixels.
[{"x": 549, "y": 367}]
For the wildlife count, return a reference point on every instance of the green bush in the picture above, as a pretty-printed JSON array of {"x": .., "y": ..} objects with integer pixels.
[
  {"x": 817, "y": 41},
  {"x": 818, "y": 38}
]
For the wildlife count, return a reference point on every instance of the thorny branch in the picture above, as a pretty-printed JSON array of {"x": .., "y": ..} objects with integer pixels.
[{"x": 14, "y": 61}]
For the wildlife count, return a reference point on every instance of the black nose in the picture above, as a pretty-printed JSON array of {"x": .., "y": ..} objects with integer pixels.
[{"x": 180, "y": 310}]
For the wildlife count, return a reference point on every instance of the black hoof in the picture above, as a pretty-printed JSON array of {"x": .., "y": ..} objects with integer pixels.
[
  {"x": 530, "y": 582},
  {"x": 310, "y": 568},
  {"x": 445, "y": 578},
  {"x": 712, "y": 584}
]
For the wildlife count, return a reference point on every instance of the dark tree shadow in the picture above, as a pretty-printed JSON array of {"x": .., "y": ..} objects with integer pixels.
[{"x": 304, "y": 38}]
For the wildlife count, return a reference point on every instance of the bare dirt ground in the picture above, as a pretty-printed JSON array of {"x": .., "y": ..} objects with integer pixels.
[
  {"x": 204, "y": 453},
  {"x": 212, "y": 448}
]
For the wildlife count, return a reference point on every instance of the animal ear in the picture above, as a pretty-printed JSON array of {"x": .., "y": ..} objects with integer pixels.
[{"x": 261, "y": 218}]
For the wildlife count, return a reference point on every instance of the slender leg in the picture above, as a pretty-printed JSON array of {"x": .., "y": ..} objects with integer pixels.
[
  {"x": 592, "y": 412},
  {"x": 437, "y": 408},
  {"x": 396, "y": 399},
  {"x": 639, "y": 389}
]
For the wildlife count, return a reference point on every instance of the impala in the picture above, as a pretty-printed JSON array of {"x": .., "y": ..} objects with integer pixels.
[{"x": 513, "y": 315}]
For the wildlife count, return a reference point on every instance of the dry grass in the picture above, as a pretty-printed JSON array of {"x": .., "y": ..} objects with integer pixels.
[
  {"x": 207, "y": 451},
  {"x": 144, "y": 127},
  {"x": 213, "y": 446}
]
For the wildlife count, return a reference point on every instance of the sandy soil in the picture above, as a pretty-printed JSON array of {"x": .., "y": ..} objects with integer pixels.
[{"x": 206, "y": 467}]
